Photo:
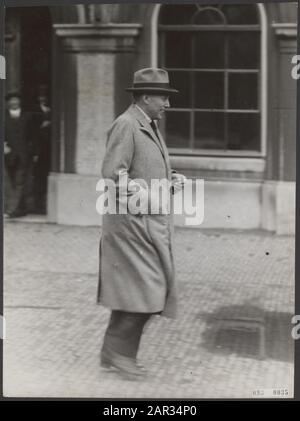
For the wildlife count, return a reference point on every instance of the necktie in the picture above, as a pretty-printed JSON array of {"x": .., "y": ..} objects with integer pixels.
[{"x": 154, "y": 128}]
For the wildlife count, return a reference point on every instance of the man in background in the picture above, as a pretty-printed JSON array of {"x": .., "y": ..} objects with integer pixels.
[
  {"x": 41, "y": 127},
  {"x": 17, "y": 150}
]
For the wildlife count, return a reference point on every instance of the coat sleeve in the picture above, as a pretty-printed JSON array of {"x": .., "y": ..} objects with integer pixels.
[
  {"x": 118, "y": 159},
  {"x": 119, "y": 150}
]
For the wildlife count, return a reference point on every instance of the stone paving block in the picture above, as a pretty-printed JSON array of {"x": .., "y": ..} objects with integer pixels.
[{"x": 54, "y": 328}]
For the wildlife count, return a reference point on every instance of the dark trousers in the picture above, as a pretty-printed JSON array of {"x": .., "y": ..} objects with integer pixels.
[
  {"x": 41, "y": 171},
  {"x": 40, "y": 177},
  {"x": 15, "y": 187},
  {"x": 124, "y": 332}
]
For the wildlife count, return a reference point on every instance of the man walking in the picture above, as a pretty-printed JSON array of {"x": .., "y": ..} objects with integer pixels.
[{"x": 136, "y": 276}]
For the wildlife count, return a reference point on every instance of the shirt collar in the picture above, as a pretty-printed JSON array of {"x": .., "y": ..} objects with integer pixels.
[
  {"x": 143, "y": 112},
  {"x": 15, "y": 113},
  {"x": 44, "y": 108}
]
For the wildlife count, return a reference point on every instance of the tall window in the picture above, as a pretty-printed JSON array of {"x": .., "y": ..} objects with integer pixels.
[{"x": 212, "y": 54}]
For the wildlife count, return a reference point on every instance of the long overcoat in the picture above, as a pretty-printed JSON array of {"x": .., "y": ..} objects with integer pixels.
[{"x": 136, "y": 271}]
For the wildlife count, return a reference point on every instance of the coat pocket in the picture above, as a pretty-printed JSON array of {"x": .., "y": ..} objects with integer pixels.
[{"x": 139, "y": 225}]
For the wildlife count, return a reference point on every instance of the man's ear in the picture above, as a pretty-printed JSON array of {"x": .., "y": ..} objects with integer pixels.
[{"x": 146, "y": 99}]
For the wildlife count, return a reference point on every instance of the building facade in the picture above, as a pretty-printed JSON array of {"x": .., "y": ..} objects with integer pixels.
[{"x": 233, "y": 123}]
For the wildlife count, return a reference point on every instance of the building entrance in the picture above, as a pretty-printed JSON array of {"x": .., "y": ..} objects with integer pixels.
[{"x": 28, "y": 54}]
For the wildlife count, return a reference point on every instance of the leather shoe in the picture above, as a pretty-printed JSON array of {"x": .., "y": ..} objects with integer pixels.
[
  {"x": 106, "y": 363},
  {"x": 127, "y": 367}
]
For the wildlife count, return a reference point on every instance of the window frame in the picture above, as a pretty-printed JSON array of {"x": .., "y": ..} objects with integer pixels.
[{"x": 262, "y": 82}]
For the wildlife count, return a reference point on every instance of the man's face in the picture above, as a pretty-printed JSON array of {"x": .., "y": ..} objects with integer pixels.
[
  {"x": 14, "y": 103},
  {"x": 155, "y": 105}
]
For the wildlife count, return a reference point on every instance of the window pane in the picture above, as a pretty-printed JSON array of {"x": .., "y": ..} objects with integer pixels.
[
  {"x": 243, "y": 91},
  {"x": 241, "y": 14},
  {"x": 209, "y": 90},
  {"x": 182, "y": 82},
  {"x": 176, "y": 14},
  {"x": 244, "y": 131},
  {"x": 244, "y": 50},
  {"x": 209, "y": 130},
  {"x": 177, "y": 129},
  {"x": 177, "y": 49},
  {"x": 209, "y": 50}
]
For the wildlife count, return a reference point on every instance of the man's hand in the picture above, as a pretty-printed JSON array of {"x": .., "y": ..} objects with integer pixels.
[{"x": 178, "y": 181}]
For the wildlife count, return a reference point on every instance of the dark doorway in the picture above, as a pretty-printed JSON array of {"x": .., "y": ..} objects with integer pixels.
[
  {"x": 35, "y": 53},
  {"x": 36, "y": 90},
  {"x": 28, "y": 51}
]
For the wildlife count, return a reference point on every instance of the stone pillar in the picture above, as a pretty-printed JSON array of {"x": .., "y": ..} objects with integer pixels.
[
  {"x": 287, "y": 86},
  {"x": 278, "y": 196},
  {"x": 92, "y": 64}
]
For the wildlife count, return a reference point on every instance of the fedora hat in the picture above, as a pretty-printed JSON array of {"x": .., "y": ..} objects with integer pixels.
[{"x": 151, "y": 80}]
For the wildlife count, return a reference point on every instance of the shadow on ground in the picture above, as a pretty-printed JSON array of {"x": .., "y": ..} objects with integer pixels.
[{"x": 226, "y": 338}]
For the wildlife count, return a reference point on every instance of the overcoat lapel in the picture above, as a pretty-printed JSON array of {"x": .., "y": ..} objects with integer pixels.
[{"x": 146, "y": 127}]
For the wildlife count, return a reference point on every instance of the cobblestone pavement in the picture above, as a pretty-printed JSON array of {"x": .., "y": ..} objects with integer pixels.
[{"x": 54, "y": 328}]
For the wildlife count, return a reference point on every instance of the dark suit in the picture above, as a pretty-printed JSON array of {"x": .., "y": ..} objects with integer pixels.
[
  {"x": 42, "y": 149},
  {"x": 17, "y": 138}
]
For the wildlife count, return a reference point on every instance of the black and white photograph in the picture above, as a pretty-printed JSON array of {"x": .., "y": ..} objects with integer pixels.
[{"x": 149, "y": 167}]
